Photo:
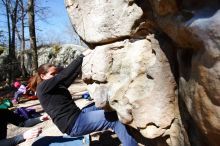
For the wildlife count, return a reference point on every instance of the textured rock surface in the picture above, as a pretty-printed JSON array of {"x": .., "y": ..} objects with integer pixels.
[
  {"x": 62, "y": 56},
  {"x": 58, "y": 54},
  {"x": 103, "y": 21},
  {"x": 136, "y": 72},
  {"x": 195, "y": 28},
  {"x": 136, "y": 80}
]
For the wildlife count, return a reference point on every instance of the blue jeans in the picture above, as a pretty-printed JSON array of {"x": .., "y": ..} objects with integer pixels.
[
  {"x": 93, "y": 119},
  {"x": 61, "y": 141},
  {"x": 17, "y": 95}
]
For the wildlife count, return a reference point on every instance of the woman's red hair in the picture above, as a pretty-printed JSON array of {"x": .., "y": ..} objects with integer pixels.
[{"x": 36, "y": 79}]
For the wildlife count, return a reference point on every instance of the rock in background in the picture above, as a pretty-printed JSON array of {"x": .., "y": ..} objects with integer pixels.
[
  {"x": 60, "y": 55},
  {"x": 156, "y": 62}
]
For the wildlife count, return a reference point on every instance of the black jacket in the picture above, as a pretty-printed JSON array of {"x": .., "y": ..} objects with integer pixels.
[{"x": 56, "y": 99}]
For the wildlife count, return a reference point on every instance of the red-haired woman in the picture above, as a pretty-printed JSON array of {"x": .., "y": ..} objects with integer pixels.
[{"x": 56, "y": 100}]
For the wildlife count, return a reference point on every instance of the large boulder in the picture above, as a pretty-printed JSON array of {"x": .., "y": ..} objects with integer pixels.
[
  {"x": 135, "y": 74},
  {"x": 194, "y": 26},
  {"x": 199, "y": 76},
  {"x": 103, "y": 21},
  {"x": 60, "y": 55},
  {"x": 135, "y": 78}
]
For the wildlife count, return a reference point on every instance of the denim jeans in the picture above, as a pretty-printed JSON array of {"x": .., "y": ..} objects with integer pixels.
[
  {"x": 62, "y": 141},
  {"x": 17, "y": 95},
  {"x": 93, "y": 119}
]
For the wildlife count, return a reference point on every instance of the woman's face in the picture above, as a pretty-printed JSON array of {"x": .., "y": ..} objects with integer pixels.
[{"x": 52, "y": 71}]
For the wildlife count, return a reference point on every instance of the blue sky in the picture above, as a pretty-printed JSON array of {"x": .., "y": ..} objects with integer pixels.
[
  {"x": 57, "y": 27},
  {"x": 57, "y": 18},
  {"x": 58, "y": 21}
]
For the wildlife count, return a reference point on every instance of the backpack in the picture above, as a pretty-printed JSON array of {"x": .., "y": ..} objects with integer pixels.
[
  {"x": 26, "y": 113},
  {"x": 6, "y": 103}
]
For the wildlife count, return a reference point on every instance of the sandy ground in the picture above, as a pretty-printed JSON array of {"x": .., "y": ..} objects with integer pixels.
[{"x": 105, "y": 138}]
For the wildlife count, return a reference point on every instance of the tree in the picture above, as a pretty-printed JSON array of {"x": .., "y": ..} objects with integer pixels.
[
  {"x": 40, "y": 12},
  {"x": 31, "y": 21},
  {"x": 15, "y": 17},
  {"x": 11, "y": 14},
  {"x": 13, "y": 21},
  {"x": 6, "y": 3},
  {"x": 11, "y": 7},
  {"x": 21, "y": 37}
]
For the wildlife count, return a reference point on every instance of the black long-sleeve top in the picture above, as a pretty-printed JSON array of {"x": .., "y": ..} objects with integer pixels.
[
  {"x": 56, "y": 99},
  {"x": 7, "y": 117}
]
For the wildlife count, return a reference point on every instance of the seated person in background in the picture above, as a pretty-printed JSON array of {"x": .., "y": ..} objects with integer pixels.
[
  {"x": 8, "y": 116},
  {"x": 21, "y": 89}
]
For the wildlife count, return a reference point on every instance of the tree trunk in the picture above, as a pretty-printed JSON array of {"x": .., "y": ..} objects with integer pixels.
[
  {"x": 13, "y": 22},
  {"x": 23, "y": 69},
  {"x": 6, "y": 3},
  {"x": 31, "y": 21}
]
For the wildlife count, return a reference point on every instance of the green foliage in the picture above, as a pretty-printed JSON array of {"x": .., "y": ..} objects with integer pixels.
[
  {"x": 2, "y": 49},
  {"x": 56, "y": 49}
]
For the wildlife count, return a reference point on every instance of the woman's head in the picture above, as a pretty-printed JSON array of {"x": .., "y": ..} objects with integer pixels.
[
  {"x": 44, "y": 72},
  {"x": 47, "y": 71}
]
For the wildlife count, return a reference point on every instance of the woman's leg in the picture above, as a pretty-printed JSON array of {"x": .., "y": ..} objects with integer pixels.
[
  {"x": 98, "y": 120},
  {"x": 17, "y": 95},
  {"x": 90, "y": 107}
]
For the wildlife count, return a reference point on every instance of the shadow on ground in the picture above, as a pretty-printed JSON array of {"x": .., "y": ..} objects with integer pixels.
[{"x": 105, "y": 138}]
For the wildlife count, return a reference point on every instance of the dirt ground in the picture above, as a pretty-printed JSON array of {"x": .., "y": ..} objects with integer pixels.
[{"x": 103, "y": 138}]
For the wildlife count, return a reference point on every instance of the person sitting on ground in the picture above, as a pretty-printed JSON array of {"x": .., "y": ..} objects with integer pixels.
[
  {"x": 8, "y": 116},
  {"x": 57, "y": 102},
  {"x": 21, "y": 89}
]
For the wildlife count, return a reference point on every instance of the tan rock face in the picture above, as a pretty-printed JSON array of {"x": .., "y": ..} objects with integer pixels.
[
  {"x": 103, "y": 21},
  {"x": 133, "y": 72},
  {"x": 164, "y": 7},
  {"x": 194, "y": 26},
  {"x": 137, "y": 82},
  {"x": 199, "y": 87},
  {"x": 196, "y": 30}
]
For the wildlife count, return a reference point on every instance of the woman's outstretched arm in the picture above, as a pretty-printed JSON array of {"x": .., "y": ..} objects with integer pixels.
[{"x": 64, "y": 77}]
